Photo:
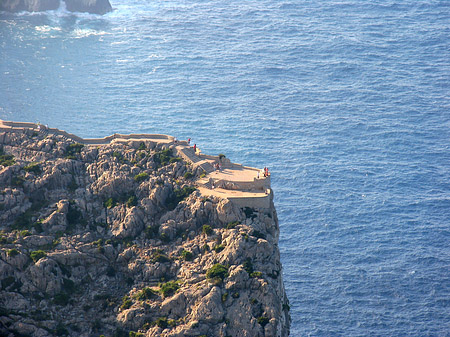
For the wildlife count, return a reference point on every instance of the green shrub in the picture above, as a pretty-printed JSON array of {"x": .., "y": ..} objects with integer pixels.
[
  {"x": 12, "y": 252},
  {"x": 207, "y": 229},
  {"x": 72, "y": 185},
  {"x": 159, "y": 256},
  {"x": 61, "y": 330},
  {"x": 178, "y": 195},
  {"x": 74, "y": 215},
  {"x": 132, "y": 201},
  {"x": 221, "y": 156},
  {"x": 72, "y": 150},
  {"x": 175, "y": 160},
  {"x": 142, "y": 147},
  {"x": 217, "y": 273},
  {"x": 141, "y": 177},
  {"x": 235, "y": 295},
  {"x": 218, "y": 248},
  {"x": 17, "y": 181},
  {"x": 110, "y": 271},
  {"x": 25, "y": 233},
  {"x": 126, "y": 303},
  {"x": 136, "y": 334},
  {"x": 188, "y": 175},
  {"x": 119, "y": 156},
  {"x": 33, "y": 167},
  {"x": 249, "y": 212},
  {"x": 163, "y": 157},
  {"x": 6, "y": 159},
  {"x": 37, "y": 255},
  {"x": 61, "y": 299},
  {"x": 263, "y": 320},
  {"x": 187, "y": 255},
  {"x": 232, "y": 225},
  {"x": 162, "y": 322},
  {"x": 256, "y": 274},
  {"x": 248, "y": 266},
  {"x": 258, "y": 234},
  {"x": 224, "y": 297},
  {"x": 203, "y": 175},
  {"x": 151, "y": 232},
  {"x": 145, "y": 294},
  {"x": 8, "y": 281},
  {"x": 169, "y": 288},
  {"x": 110, "y": 203},
  {"x": 68, "y": 285}
]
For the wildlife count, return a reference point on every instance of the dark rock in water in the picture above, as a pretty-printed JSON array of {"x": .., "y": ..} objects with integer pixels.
[
  {"x": 90, "y": 6},
  {"x": 28, "y": 5}
]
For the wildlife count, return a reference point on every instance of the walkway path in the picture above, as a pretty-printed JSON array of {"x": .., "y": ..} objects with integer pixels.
[{"x": 244, "y": 186}]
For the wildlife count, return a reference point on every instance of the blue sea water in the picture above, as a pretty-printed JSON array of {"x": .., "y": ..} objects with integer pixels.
[{"x": 347, "y": 102}]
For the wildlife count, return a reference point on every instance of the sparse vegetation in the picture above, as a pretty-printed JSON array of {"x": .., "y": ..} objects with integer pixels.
[
  {"x": 12, "y": 252},
  {"x": 263, "y": 321},
  {"x": 110, "y": 203},
  {"x": 33, "y": 167},
  {"x": 6, "y": 159},
  {"x": 256, "y": 274},
  {"x": 126, "y": 303},
  {"x": 187, "y": 255},
  {"x": 188, "y": 175},
  {"x": 217, "y": 273},
  {"x": 159, "y": 256},
  {"x": 73, "y": 150},
  {"x": 37, "y": 255},
  {"x": 169, "y": 288},
  {"x": 141, "y": 177},
  {"x": 17, "y": 181},
  {"x": 218, "y": 248},
  {"x": 132, "y": 201},
  {"x": 178, "y": 195},
  {"x": 145, "y": 294},
  {"x": 207, "y": 229},
  {"x": 162, "y": 158}
]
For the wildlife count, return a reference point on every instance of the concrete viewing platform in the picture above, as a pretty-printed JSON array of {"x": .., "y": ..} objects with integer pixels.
[{"x": 242, "y": 185}]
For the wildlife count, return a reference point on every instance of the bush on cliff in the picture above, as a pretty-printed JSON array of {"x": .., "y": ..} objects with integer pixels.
[
  {"x": 169, "y": 288},
  {"x": 162, "y": 158},
  {"x": 141, "y": 177},
  {"x": 33, "y": 167},
  {"x": 72, "y": 150},
  {"x": 217, "y": 273},
  {"x": 178, "y": 195},
  {"x": 6, "y": 159},
  {"x": 37, "y": 255}
]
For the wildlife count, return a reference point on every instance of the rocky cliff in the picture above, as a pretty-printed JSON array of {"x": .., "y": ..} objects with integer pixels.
[
  {"x": 115, "y": 240},
  {"x": 90, "y": 6}
]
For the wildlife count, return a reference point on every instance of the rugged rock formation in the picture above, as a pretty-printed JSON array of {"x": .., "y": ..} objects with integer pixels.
[
  {"x": 90, "y": 6},
  {"x": 115, "y": 240}
]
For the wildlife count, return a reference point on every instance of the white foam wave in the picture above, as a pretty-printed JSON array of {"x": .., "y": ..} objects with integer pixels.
[{"x": 79, "y": 33}]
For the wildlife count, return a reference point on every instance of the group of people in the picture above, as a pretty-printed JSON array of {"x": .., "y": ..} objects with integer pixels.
[
  {"x": 266, "y": 172},
  {"x": 217, "y": 166}
]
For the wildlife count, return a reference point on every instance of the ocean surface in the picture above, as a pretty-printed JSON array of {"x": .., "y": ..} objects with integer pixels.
[{"x": 347, "y": 102}]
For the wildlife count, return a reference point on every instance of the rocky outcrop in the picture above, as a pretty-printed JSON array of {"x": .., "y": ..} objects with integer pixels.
[
  {"x": 111, "y": 240},
  {"x": 89, "y": 6},
  {"x": 28, "y": 5}
]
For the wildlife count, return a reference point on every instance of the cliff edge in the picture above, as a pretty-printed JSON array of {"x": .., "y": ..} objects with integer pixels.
[
  {"x": 125, "y": 236},
  {"x": 89, "y": 6}
]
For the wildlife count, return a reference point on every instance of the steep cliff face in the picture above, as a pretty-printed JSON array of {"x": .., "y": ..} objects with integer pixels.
[
  {"x": 90, "y": 6},
  {"x": 115, "y": 240}
]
